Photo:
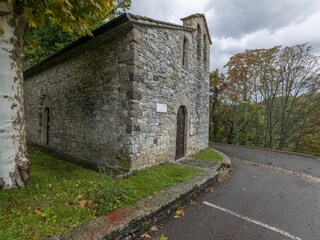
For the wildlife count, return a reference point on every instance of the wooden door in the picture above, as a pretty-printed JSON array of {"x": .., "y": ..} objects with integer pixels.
[{"x": 181, "y": 131}]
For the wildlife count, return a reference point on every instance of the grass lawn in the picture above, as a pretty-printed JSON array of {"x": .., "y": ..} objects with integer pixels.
[
  {"x": 209, "y": 154},
  {"x": 64, "y": 195}
]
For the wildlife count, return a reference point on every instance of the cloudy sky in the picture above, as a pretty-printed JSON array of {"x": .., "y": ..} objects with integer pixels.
[{"x": 236, "y": 25}]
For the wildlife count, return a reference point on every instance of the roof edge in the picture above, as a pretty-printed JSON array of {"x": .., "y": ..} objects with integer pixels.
[
  {"x": 153, "y": 22},
  {"x": 193, "y": 15},
  {"x": 98, "y": 31},
  {"x": 205, "y": 22},
  {"x": 125, "y": 17}
]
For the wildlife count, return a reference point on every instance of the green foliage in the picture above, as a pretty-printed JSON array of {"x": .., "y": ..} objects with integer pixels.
[
  {"x": 49, "y": 36},
  {"x": 110, "y": 194},
  {"x": 64, "y": 195},
  {"x": 163, "y": 237},
  {"x": 71, "y": 15},
  {"x": 44, "y": 41},
  {"x": 150, "y": 180},
  {"x": 209, "y": 154},
  {"x": 217, "y": 86},
  {"x": 270, "y": 99},
  {"x": 120, "y": 7},
  {"x": 50, "y": 205}
]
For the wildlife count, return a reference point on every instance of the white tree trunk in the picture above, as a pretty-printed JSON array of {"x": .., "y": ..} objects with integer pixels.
[{"x": 14, "y": 165}]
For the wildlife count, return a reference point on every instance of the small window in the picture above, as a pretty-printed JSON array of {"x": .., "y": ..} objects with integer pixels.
[
  {"x": 46, "y": 125},
  {"x": 199, "y": 42},
  {"x": 205, "y": 48},
  {"x": 185, "y": 52}
]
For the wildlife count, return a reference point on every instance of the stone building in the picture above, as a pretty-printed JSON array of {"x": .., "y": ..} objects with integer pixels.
[{"x": 134, "y": 95}]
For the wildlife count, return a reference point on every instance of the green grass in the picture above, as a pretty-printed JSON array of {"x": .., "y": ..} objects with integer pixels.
[
  {"x": 52, "y": 204},
  {"x": 209, "y": 154}
]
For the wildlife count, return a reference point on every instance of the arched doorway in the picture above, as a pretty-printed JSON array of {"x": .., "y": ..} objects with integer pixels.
[{"x": 181, "y": 132}]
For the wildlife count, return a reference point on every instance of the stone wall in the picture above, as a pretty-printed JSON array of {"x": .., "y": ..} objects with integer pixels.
[
  {"x": 86, "y": 91},
  {"x": 166, "y": 80},
  {"x": 102, "y": 95}
]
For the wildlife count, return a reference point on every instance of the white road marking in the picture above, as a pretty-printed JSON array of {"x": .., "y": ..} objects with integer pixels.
[{"x": 253, "y": 221}]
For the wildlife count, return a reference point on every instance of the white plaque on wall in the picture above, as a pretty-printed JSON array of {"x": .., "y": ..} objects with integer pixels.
[
  {"x": 191, "y": 129},
  {"x": 161, "y": 108}
]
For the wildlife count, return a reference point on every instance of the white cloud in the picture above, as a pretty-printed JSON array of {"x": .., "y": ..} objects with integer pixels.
[
  {"x": 236, "y": 25},
  {"x": 168, "y": 10},
  {"x": 292, "y": 34}
]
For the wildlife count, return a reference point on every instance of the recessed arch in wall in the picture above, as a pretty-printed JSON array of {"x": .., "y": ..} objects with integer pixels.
[{"x": 46, "y": 126}]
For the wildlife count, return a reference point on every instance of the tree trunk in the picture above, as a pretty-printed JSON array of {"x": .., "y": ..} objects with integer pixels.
[
  {"x": 14, "y": 170},
  {"x": 236, "y": 111},
  {"x": 270, "y": 129},
  {"x": 214, "y": 122},
  {"x": 257, "y": 114},
  {"x": 245, "y": 122}
]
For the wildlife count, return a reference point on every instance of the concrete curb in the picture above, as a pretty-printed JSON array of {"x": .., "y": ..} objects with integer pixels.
[
  {"x": 226, "y": 160},
  {"x": 139, "y": 217},
  {"x": 212, "y": 144}
]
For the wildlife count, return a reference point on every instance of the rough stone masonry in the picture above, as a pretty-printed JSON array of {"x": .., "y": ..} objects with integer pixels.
[{"x": 133, "y": 96}]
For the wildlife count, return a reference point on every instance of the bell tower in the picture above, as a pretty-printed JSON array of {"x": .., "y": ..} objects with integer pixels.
[{"x": 199, "y": 23}]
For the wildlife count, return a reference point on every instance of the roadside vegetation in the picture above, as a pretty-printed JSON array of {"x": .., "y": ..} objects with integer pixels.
[
  {"x": 64, "y": 195},
  {"x": 209, "y": 154},
  {"x": 268, "y": 98},
  {"x": 48, "y": 38}
]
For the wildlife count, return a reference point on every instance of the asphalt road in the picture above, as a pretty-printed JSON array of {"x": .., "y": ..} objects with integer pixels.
[{"x": 257, "y": 202}]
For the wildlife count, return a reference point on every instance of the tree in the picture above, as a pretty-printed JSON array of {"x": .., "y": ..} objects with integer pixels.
[
  {"x": 264, "y": 69},
  {"x": 15, "y": 17},
  {"x": 283, "y": 84},
  {"x": 299, "y": 97},
  {"x": 217, "y": 86},
  {"x": 239, "y": 77},
  {"x": 45, "y": 40}
]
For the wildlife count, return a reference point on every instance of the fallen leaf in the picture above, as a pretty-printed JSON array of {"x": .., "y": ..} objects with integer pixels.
[
  {"x": 79, "y": 196},
  {"x": 179, "y": 213},
  {"x": 83, "y": 203},
  {"x": 159, "y": 225},
  {"x": 37, "y": 211},
  {"x": 193, "y": 202},
  {"x": 154, "y": 228},
  {"x": 208, "y": 189},
  {"x": 95, "y": 206},
  {"x": 145, "y": 236},
  {"x": 229, "y": 175}
]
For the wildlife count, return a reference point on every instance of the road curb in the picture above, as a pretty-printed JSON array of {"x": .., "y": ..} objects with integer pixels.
[
  {"x": 226, "y": 160},
  {"x": 138, "y": 218},
  {"x": 212, "y": 144}
]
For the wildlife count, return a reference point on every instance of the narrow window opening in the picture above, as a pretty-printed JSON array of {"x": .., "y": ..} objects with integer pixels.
[
  {"x": 46, "y": 125},
  {"x": 199, "y": 42},
  {"x": 205, "y": 48},
  {"x": 185, "y": 52}
]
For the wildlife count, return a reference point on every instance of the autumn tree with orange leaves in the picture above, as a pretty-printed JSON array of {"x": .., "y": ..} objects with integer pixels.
[{"x": 274, "y": 94}]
